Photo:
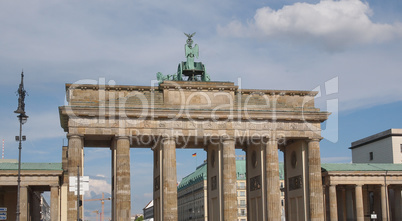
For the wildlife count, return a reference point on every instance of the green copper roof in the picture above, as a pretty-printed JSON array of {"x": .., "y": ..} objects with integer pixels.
[
  {"x": 360, "y": 167},
  {"x": 201, "y": 174},
  {"x": 31, "y": 166},
  {"x": 198, "y": 175}
]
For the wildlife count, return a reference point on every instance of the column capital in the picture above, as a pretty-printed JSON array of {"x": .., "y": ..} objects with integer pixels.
[
  {"x": 226, "y": 138},
  {"x": 275, "y": 141},
  {"x": 75, "y": 136},
  {"x": 314, "y": 139},
  {"x": 228, "y": 141},
  {"x": 167, "y": 137},
  {"x": 265, "y": 140},
  {"x": 117, "y": 137},
  {"x": 210, "y": 141}
]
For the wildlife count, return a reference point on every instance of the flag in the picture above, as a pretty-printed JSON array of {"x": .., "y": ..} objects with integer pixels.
[{"x": 194, "y": 154}]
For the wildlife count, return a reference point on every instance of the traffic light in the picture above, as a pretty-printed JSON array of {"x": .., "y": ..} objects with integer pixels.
[{"x": 80, "y": 203}]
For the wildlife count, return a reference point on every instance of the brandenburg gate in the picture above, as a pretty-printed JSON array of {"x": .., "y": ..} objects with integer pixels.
[{"x": 187, "y": 110}]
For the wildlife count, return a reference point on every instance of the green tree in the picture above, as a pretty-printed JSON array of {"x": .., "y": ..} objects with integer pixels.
[{"x": 141, "y": 218}]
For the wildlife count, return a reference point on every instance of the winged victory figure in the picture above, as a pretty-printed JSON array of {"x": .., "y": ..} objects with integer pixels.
[{"x": 190, "y": 51}]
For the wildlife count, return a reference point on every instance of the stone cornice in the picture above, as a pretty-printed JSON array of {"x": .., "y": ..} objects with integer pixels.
[
  {"x": 188, "y": 85},
  {"x": 278, "y": 92},
  {"x": 363, "y": 177},
  {"x": 364, "y": 173},
  {"x": 257, "y": 115},
  {"x": 198, "y": 85},
  {"x": 110, "y": 87}
]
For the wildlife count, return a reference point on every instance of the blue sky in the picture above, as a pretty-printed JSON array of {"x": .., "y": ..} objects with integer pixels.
[{"x": 301, "y": 45}]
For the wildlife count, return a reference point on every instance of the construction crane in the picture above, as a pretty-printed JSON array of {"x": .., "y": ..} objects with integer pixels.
[
  {"x": 102, "y": 216},
  {"x": 97, "y": 213}
]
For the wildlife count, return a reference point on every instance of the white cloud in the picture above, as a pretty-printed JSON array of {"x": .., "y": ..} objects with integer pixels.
[
  {"x": 332, "y": 24},
  {"x": 98, "y": 187}
]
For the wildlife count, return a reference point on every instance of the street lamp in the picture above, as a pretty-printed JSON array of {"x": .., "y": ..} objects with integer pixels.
[{"x": 22, "y": 117}]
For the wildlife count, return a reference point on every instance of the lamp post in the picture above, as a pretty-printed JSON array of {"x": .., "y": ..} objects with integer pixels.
[{"x": 22, "y": 117}]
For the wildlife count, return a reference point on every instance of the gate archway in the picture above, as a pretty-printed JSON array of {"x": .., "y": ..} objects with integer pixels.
[{"x": 215, "y": 116}]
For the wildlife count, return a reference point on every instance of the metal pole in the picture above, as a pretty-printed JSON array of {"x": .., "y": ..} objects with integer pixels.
[
  {"x": 22, "y": 117},
  {"x": 78, "y": 193},
  {"x": 19, "y": 170}
]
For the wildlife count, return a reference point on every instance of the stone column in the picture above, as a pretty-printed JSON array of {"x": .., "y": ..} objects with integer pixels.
[
  {"x": 169, "y": 180},
  {"x": 229, "y": 180},
  {"x": 273, "y": 183},
  {"x": 256, "y": 181},
  {"x": 34, "y": 208},
  {"x": 24, "y": 203},
  {"x": 359, "y": 203},
  {"x": 122, "y": 185},
  {"x": 315, "y": 181},
  {"x": 350, "y": 204},
  {"x": 113, "y": 180},
  {"x": 398, "y": 209},
  {"x": 384, "y": 203},
  {"x": 366, "y": 200},
  {"x": 75, "y": 147},
  {"x": 333, "y": 204},
  {"x": 214, "y": 181},
  {"x": 344, "y": 209},
  {"x": 54, "y": 203},
  {"x": 286, "y": 184},
  {"x": 157, "y": 182},
  {"x": 63, "y": 202}
]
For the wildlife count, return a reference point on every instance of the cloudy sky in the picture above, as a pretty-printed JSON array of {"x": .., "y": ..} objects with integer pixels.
[{"x": 349, "y": 50}]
